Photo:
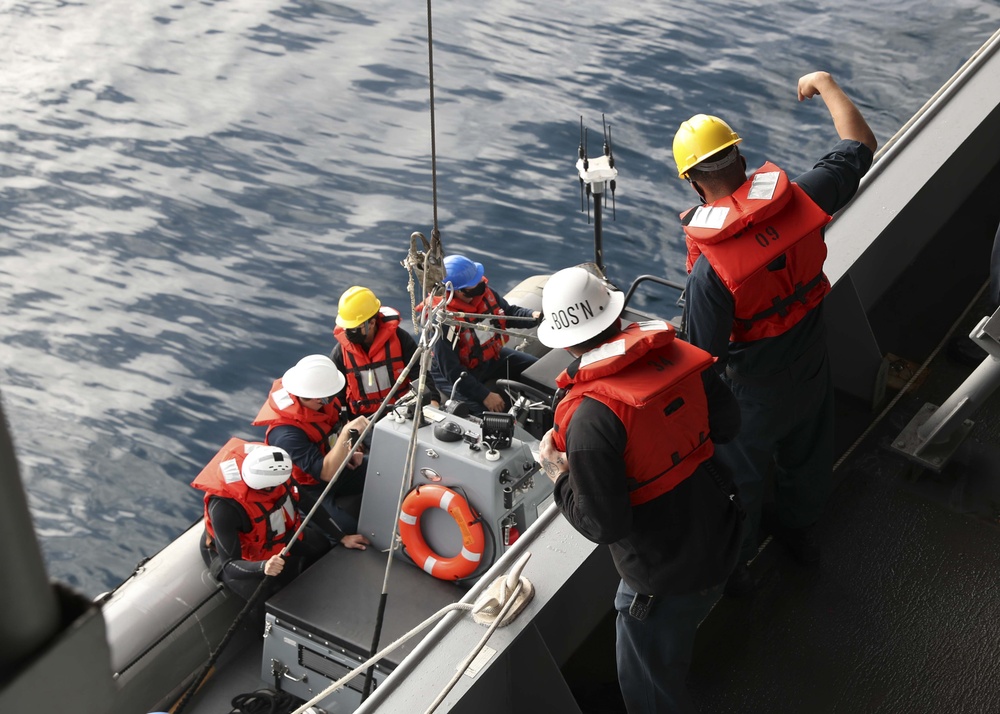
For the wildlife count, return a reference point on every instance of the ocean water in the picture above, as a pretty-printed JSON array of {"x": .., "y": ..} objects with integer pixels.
[{"x": 187, "y": 188}]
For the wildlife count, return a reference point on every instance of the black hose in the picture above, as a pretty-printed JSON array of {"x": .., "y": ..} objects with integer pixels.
[{"x": 265, "y": 701}]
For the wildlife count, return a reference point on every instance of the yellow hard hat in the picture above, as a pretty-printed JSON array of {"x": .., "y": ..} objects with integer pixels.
[
  {"x": 357, "y": 305},
  {"x": 700, "y": 137}
]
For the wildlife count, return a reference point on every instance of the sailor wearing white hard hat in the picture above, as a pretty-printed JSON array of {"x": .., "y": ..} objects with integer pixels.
[
  {"x": 303, "y": 417},
  {"x": 631, "y": 458}
]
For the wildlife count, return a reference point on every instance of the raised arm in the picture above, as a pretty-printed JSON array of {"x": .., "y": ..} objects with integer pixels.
[{"x": 847, "y": 120}]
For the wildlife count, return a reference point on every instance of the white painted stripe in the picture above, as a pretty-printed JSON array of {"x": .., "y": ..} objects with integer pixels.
[
  {"x": 469, "y": 555},
  {"x": 429, "y": 565},
  {"x": 408, "y": 518},
  {"x": 446, "y": 498}
]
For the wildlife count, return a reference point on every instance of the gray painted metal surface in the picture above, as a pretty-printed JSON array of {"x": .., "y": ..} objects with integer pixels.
[
  {"x": 574, "y": 582},
  {"x": 918, "y": 182},
  {"x": 29, "y": 610},
  {"x": 466, "y": 464}
]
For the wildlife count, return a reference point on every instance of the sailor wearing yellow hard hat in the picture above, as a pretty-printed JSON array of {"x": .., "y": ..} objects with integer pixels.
[
  {"x": 372, "y": 349},
  {"x": 756, "y": 285}
]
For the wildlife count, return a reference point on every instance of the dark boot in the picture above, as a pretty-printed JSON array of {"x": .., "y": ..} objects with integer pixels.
[
  {"x": 965, "y": 351},
  {"x": 741, "y": 583},
  {"x": 802, "y": 543}
]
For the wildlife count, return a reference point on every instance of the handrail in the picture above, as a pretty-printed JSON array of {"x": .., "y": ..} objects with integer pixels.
[
  {"x": 931, "y": 107},
  {"x": 652, "y": 278}
]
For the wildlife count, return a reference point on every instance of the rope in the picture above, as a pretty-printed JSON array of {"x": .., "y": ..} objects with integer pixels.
[
  {"x": 477, "y": 649},
  {"x": 435, "y": 233},
  {"x": 449, "y": 315},
  {"x": 434, "y": 249},
  {"x": 427, "y": 264},
  {"x": 411, "y": 288},
  {"x": 912, "y": 379},
  {"x": 429, "y": 334},
  {"x": 200, "y": 677},
  {"x": 449, "y": 318}
]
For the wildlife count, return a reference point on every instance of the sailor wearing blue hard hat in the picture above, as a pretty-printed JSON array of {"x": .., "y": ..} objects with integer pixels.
[
  {"x": 470, "y": 354},
  {"x": 462, "y": 272}
]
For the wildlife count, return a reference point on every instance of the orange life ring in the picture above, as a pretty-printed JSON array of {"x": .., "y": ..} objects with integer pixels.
[{"x": 473, "y": 540}]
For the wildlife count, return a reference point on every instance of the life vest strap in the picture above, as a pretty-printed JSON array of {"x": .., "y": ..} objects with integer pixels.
[
  {"x": 780, "y": 306},
  {"x": 675, "y": 458}
]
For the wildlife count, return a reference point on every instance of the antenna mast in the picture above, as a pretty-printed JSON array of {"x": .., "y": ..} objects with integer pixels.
[{"x": 595, "y": 175}]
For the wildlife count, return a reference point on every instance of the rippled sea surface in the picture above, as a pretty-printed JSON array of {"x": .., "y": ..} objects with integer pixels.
[{"x": 187, "y": 188}]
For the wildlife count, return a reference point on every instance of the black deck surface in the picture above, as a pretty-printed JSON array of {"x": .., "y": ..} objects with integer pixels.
[{"x": 901, "y": 614}]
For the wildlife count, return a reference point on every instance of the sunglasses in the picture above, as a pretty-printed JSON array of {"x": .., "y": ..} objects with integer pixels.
[{"x": 322, "y": 400}]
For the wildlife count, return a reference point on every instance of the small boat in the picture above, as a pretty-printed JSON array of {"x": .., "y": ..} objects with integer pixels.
[{"x": 907, "y": 258}]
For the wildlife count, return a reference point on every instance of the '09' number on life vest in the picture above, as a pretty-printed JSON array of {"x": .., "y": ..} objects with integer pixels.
[{"x": 767, "y": 236}]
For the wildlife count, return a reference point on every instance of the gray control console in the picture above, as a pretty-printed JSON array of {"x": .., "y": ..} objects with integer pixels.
[{"x": 503, "y": 485}]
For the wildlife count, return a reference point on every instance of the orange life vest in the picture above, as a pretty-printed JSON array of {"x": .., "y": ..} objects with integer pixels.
[
  {"x": 475, "y": 344},
  {"x": 271, "y": 514},
  {"x": 765, "y": 242},
  {"x": 652, "y": 382},
  {"x": 372, "y": 371},
  {"x": 284, "y": 409}
]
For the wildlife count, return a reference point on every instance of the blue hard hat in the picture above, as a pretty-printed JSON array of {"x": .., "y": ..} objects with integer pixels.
[{"x": 462, "y": 272}]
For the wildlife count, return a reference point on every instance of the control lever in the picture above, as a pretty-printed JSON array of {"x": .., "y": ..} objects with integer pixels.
[
  {"x": 454, "y": 387},
  {"x": 453, "y": 407}
]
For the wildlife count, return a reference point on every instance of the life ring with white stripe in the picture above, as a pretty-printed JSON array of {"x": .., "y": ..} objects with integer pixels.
[{"x": 473, "y": 539}]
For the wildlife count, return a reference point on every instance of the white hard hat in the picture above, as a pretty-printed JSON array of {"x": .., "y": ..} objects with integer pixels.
[
  {"x": 266, "y": 467},
  {"x": 313, "y": 377},
  {"x": 576, "y": 306}
]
